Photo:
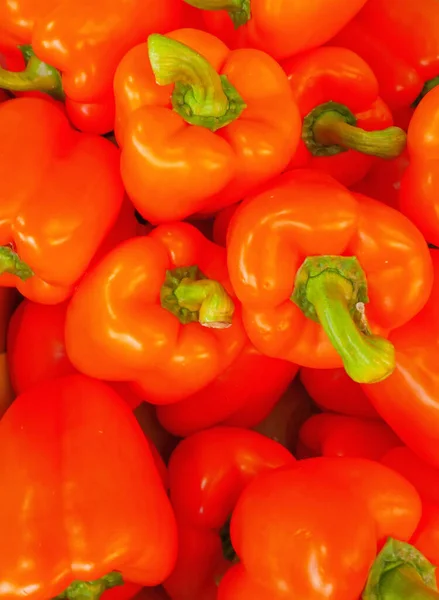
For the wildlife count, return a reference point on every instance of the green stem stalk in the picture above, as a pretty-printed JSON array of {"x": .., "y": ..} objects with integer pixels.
[
  {"x": 91, "y": 590},
  {"x": 36, "y": 77},
  {"x": 405, "y": 583},
  {"x": 201, "y": 96},
  {"x": 11, "y": 263},
  {"x": 239, "y": 10},
  {"x": 332, "y": 290}
]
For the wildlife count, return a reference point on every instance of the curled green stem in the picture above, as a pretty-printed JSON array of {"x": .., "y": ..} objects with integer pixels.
[
  {"x": 201, "y": 96},
  {"x": 193, "y": 298},
  {"x": 239, "y": 10},
  {"x": 400, "y": 572},
  {"x": 428, "y": 86},
  {"x": 332, "y": 290},
  {"x": 331, "y": 128},
  {"x": 37, "y": 76},
  {"x": 91, "y": 590},
  {"x": 11, "y": 263}
]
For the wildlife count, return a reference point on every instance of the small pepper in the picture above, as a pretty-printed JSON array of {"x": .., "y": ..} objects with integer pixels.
[
  {"x": 304, "y": 258},
  {"x": 280, "y": 27},
  {"x": 157, "y": 311},
  {"x": 71, "y": 49},
  {"x": 345, "y": 123},
  {"x": 49, "y": 238},
  {"x": 86, "y": 509},
  {"x": 337, "y": 435},
  {"x": 200, "y": 126}
]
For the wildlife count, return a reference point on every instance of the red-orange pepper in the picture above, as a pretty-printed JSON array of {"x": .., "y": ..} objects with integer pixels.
[
  {"x": 200, "y": 126},
  {"x": 304, "y": 258},
  {"x": 86, "y": 509},
  {"x": 49, "y": 238},
  {"x": 418, "y": 198},
  {"x": 72, "y": 49},
  {"x": 317, "y": 545},
  {"x": 251, "y": 379},
  {"x": 208, "y": 472},
  {"x": 426, "y": 536},
  {"x": 280, "y": 27},
  {"x": 156, "y": 311},
  {"x": 400, "y": 41},
  {"x": 338, "y": 435},
  {"x": 345, "y": 123},
  {"x": 333, "y": 390}
]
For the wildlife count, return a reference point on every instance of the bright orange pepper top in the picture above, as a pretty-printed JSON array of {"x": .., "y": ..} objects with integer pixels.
[{"x": 245, "y": 124}]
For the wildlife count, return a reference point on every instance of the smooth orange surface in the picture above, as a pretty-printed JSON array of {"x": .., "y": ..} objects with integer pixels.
[
  {"x": 306, "y": 213},
  {"x": 58, "y": 205},
  {"x": 116, "y": 328},
  {"x": 63, "y": 447},
  {"x": 172, "y": 170}
]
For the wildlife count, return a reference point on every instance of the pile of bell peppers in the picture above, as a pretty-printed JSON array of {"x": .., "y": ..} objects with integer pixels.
[{"x": 219, "y": 300}]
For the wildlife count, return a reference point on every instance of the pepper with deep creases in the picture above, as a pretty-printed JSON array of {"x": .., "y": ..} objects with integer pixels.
[
  {"x": 199, "y": 125},
  {"x": 85, "y": 507},
  {"x": 208, "y": 472},
  {"x": 400, "y": 41},
  {"x": 337, "y": 435},
  {"x": 418, "y": 198},
  {"x": 251, "y": 379},
  {"x": 48, "y": 239},
  {"x": 305, "y": 256},
  {"x": 71, "y": 49},
  {"x": 345, "y": 123},
  {"x": 157, "y": 311},
  {"x": 280, "y": 27},
  {"x": 334, "y": 534}
]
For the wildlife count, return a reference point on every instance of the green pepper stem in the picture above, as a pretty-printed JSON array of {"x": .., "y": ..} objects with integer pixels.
[
  {"x": 330, "y": 129},
  {"x": 201, "y": 96},
  {"x": 405, "y": 583},
  {"x": 191, "y": 297},
  {"x": 332, "y": 291},
  {"x": 428, "y": 86},
  {"x": 91, "y": 590},
  {"x": 367, "y": 359},
  {"x": 239, "y": 10},
  {"x": 36, "y": 77},
  {"x": 11, "y": 263}
]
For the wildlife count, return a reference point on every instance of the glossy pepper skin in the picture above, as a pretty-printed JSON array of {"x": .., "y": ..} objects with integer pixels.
[
  {"x": 88, "y": 502},
  {"x": 144, "y": 314},
  {"x": 420, "y": 183},
  {"x": 50, "y": 229},
  {"x": 251, "y": 379},
  {"x": 345, "y": 123},
  {"x": 307, "y": 214},
  {"x": 401, "y": 44},
  {"x": 334, "y": 391},
  {"x": 82, "y": 44},
  {"x": 195, "y": 149},
  {"x": 337, "y": 435},
  {"x": 334, "y": 534},
  {"x": 280, "y": 27},
  {"x": 208, "y": 471}
]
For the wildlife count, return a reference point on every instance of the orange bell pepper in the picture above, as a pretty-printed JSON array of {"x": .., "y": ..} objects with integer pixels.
[
  {"x": 426, "y": 537},
  {"x": 317, "y": 545},
  {"x": 304, "y": 258},
  {"x": 280, "y": 27},
  {"x": 418, "y": 197},
  {"x": 345, "y": 123},
  {"x": 200, "y": 126},
  {"x": 71, "y": 50},
  {"x": 400, "y": 41},
  {"x": 208, "y": 471},
  {"x": 333, "y": 390},
  {"x": 155, "y": 311},
  {"x": 48, "y": 240},
  {"x": 337, "y": 435},
  {"x": 86, "y": 509},
  {"x": 251, "y": 379}
]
